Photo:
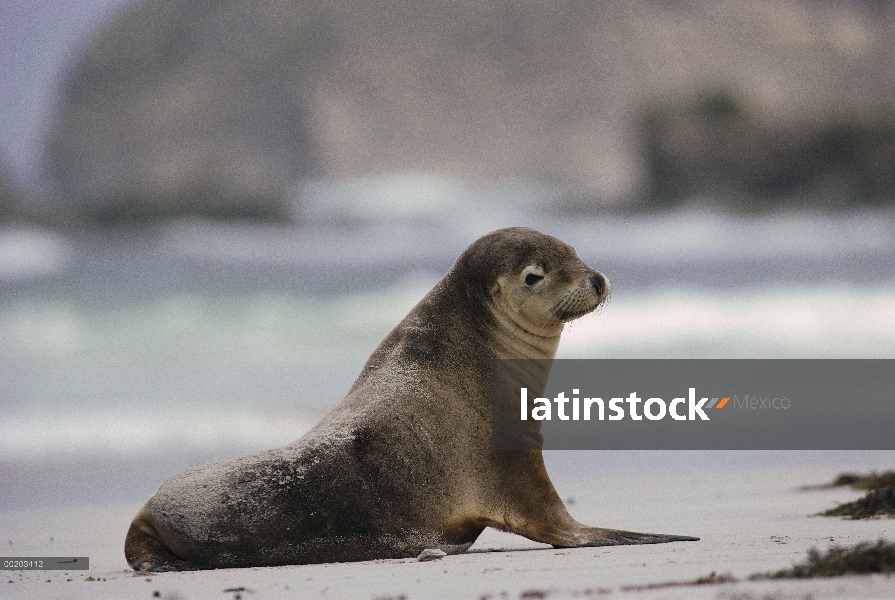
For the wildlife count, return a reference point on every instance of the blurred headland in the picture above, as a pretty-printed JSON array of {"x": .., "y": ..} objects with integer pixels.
[
  {"x": 8, "y": 193},
  {"x": 218, "y": 109}
]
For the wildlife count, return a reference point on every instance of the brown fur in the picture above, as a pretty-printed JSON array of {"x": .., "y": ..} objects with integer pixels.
[{"x": 406, "y": 461}]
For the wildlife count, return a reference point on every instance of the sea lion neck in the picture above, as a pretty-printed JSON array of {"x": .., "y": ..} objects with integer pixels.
[
  {"x": 498, "y": 331},
  {"x": 512, "y": 337}
]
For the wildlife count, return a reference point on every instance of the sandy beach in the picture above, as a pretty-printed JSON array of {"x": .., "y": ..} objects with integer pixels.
[
  {"x": 750, "y": 517},
  {"x": 213, "y": 213}
]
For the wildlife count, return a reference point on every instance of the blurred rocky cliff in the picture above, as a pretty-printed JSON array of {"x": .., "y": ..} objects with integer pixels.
[
  {"x": 8, "y": 192},
  {"x": 216, "y": 108}
]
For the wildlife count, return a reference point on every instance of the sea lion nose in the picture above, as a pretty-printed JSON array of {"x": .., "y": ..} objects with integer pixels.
[{"x": 600, "y": 283}]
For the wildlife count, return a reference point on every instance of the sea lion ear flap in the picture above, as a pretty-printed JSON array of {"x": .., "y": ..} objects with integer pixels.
[{"x": 494, "y": 289}]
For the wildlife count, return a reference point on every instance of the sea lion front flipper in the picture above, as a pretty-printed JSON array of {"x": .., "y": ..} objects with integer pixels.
[
  {"x": 575, "y": 535},
  {"x": 538, "y": 513},
  {"x": 595, "y": 536}
]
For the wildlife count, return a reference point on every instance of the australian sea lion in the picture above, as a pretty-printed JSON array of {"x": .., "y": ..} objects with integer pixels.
[{"x": 406, "y": 461}]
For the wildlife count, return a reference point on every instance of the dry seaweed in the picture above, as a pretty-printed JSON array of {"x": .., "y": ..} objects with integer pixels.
[
  {"x": 876, "y": 502},
  {"x": 862, "y": 558},
  {"x": 879, "y": 501},
  {"x": 870, "y": 481},
  {"x": 712, "y": 579}
]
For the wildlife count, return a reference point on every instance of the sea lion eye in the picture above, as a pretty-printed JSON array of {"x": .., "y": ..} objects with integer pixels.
[{"x": 532, "y": 279}]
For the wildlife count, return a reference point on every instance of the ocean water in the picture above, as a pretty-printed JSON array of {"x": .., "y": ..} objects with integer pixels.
[{"x": 151, "y": 349}]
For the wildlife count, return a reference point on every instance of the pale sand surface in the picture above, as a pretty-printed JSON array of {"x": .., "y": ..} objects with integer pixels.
[{"x": 750, "y": 520}]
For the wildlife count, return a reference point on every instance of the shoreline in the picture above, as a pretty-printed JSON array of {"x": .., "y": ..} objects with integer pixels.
[{"x": 751, "y": 519}]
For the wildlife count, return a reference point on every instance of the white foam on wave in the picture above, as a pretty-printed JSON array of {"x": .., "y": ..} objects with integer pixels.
[
  {"x": 35, "y": 435},
  {"x": 28, "y": 252},
  {"x": 100, "y": 366},
  {"x": 417, "y": 196},
  {"x": 783, "y": 321},
  {"x": 191, "y": 324}
]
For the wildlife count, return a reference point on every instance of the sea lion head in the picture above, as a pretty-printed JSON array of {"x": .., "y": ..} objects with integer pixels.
[{"x": 533, "y": 282}]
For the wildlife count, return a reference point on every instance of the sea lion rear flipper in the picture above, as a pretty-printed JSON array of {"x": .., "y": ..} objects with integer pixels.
[{"x": 144, "y": 550}]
